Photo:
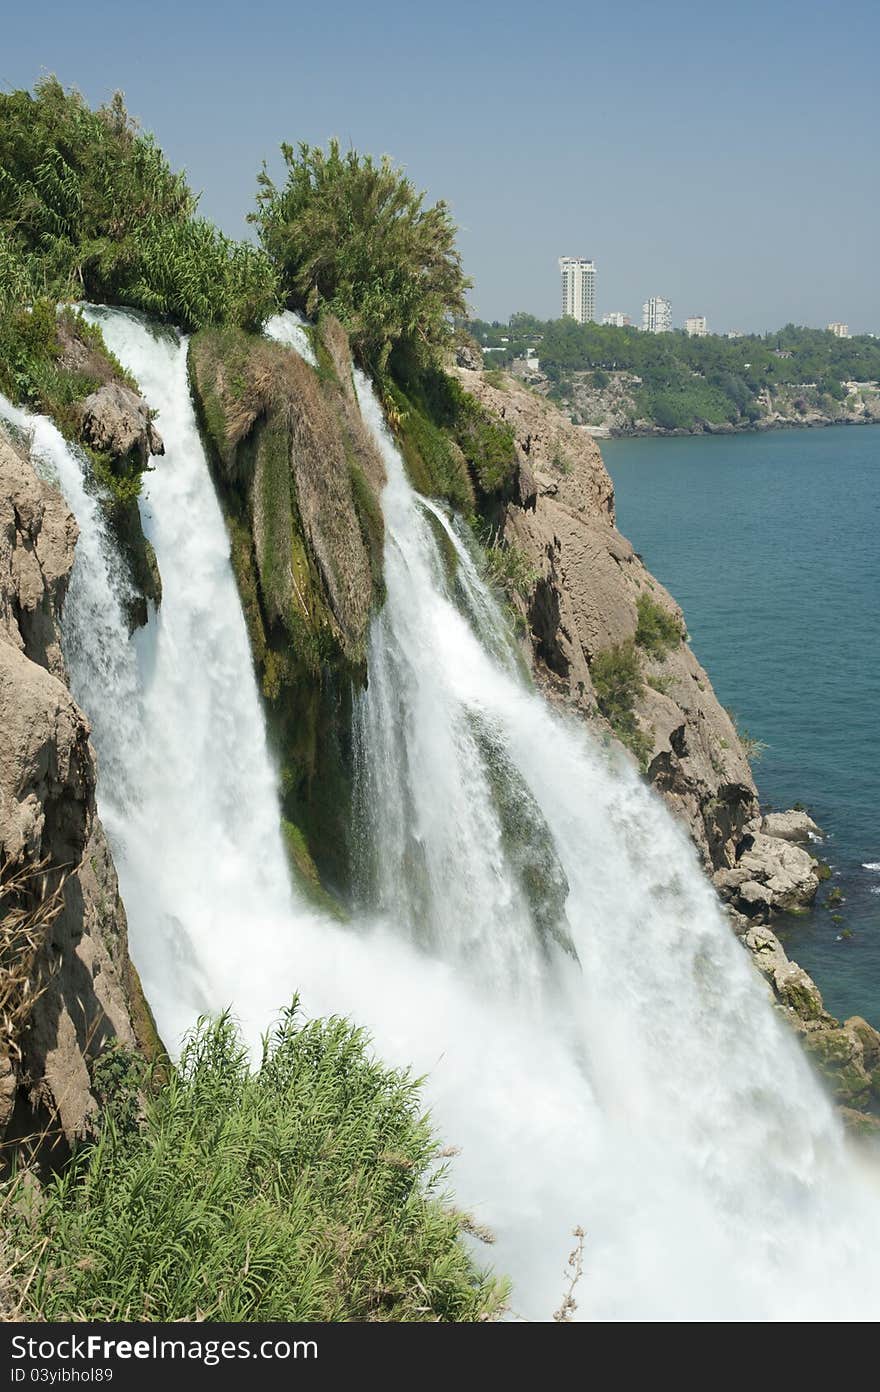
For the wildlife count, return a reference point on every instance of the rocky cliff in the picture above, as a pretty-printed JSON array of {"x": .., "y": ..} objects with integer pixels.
[
  {"x": 607, "y": 641},
  {"x": 71, "y": 987}
]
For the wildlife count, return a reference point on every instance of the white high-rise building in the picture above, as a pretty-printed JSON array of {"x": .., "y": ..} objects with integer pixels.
[
  {"x": 695, "y": 326},
  {"x": 839, "y": 330},
  {"x": 578, "y": 288},
  {"x": 616, "y": 319},
  {"x": 657, "y": 315}
]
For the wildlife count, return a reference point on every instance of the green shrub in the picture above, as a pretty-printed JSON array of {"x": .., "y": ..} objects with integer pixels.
[
  {"x": 508, "y": 567},
  {"x": 618, "y": 683},
  {"x": 353, "y": 235},
  {"x": 89, "y": 206},
  {"x": 308, "y": 1189},
  {"x": 657, "y": 631},
  {"x": 752, "y": 748}
]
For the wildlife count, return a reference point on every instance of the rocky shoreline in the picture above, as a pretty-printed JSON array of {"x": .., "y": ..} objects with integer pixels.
[{"x": 760, "y": 427}]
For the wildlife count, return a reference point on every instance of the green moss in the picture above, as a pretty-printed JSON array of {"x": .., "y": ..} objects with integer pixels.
[
  {"x": 833, "y": 1052},
  {"x": 433, "y": 463},
  {"x": 822, "y": 870},
  {"x": 445, "y": 547},
  {"x": 143, "y": 1023},
  {"x": 273, "y": 512},
  {"x": 372, "y": 524},
  {"x": 488, "y": 445}
]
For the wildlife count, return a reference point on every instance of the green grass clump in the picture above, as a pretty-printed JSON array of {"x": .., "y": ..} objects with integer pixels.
[
  {"x": 658, "y": 631},
  {"x": 306, "y": 1190},
  {"x": 508, "y": 567},
  {"x": 618, "y": 683}
]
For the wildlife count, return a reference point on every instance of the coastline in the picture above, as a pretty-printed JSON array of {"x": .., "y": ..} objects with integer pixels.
[{"x": 650, "y": 432}]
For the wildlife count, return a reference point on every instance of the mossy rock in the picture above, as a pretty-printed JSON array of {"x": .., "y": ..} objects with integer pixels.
[
  {"x": 835, "y": 1055},
  {"x": 298, "y": 484}
]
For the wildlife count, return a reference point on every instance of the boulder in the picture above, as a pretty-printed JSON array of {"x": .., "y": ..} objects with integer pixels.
[
  {"x": 785, "y": 872},
  {"x": 118, "y": 422},
  {"x": 790, "y": 826},
  {"x": 468, "y": 355}
]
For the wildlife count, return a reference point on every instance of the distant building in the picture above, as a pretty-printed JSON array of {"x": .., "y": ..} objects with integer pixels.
[
  {"x": 578, "y": 288},
  {"x": 733, "y": 333},
  {"x": 616, "y": 319},
  {"x": 656, "y": 315},
  {"x": 695, "y": 326},
  {"x": 839, "y": 330}
]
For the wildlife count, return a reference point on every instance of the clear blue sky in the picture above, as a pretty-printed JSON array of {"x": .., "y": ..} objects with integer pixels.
[{"x": 722, "y": 155}]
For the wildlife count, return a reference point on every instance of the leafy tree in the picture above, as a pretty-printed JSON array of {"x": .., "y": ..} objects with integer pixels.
[{"x": 353, "y": 235}]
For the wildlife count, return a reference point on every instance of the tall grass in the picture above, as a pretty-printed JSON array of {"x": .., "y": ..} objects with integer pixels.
[{"x": 308, "y": 1189}]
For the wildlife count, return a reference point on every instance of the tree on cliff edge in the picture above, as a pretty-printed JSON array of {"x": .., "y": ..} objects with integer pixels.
[{"x": 353, "y": 235}]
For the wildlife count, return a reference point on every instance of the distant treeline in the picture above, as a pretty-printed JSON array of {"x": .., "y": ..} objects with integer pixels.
[{"x": 683, "y": 379}]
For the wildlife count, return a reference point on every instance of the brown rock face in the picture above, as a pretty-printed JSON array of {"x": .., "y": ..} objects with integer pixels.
[
  {"x": 47, "y": 814},
  {"x": 292, "y": 441}
]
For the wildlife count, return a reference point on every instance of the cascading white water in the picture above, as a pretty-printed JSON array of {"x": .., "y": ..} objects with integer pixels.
[
  {"x": 683, "y": 1128},
  {"x": 289, "y": 329},
  {"x": 646, "y": 1091}
]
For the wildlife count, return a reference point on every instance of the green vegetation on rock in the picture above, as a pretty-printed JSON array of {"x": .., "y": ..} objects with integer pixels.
[
  {"x": 299, "y": 481},
  {"x": 617, "y": 678},
  {"x": 453, "y": 447},
  {"x": 309, "y": 1189},
  {"x": 658, "y": 630},
  {"x": 683, "y": 383}
]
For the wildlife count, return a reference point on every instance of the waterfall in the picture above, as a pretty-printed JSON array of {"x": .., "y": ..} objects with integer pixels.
[
  {"x": 536, "y": 935},
  {"x": 289, "y": 329}
]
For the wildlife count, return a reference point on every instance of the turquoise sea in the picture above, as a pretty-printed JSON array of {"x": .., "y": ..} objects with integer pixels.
[{"x": 771, "y": 544}]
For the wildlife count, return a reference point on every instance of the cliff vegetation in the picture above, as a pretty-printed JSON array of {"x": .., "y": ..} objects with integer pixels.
[{"x": 624, "y": 381}]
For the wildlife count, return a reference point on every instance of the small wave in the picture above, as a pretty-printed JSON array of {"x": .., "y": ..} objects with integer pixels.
[{"x": 871, "y": 865}]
